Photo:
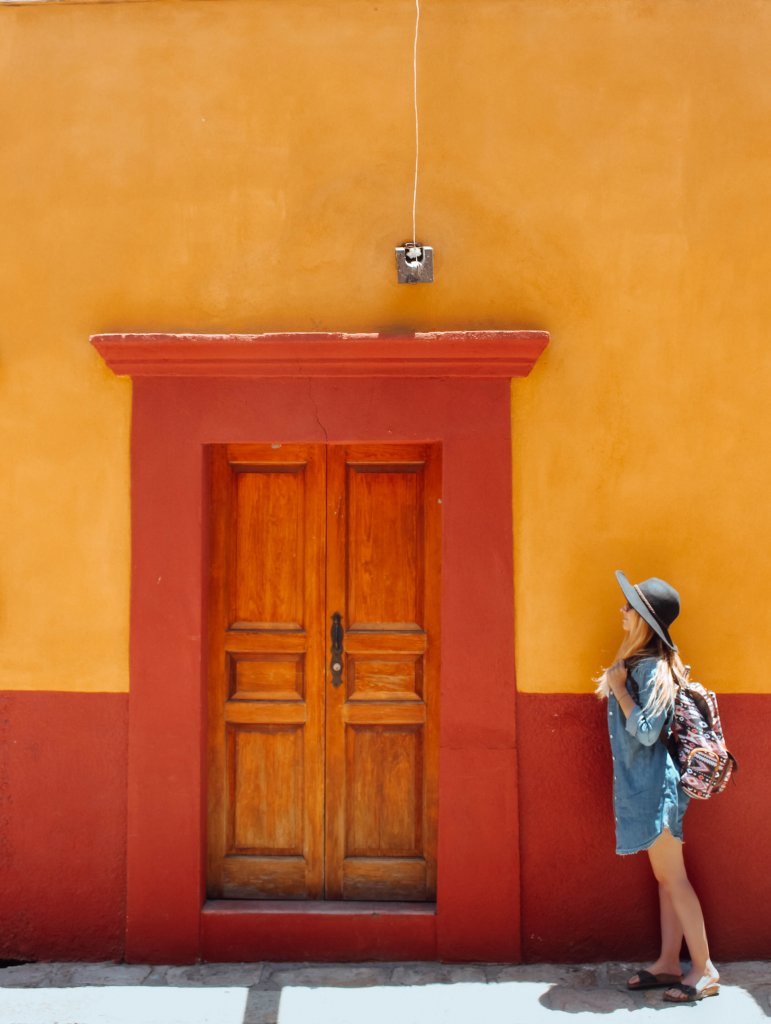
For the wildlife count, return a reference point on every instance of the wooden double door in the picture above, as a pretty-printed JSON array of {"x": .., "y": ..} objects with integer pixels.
[{"x": 323, "y": 671}]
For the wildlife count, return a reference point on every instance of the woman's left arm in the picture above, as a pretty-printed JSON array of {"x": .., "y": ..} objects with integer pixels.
[
  {"x": 646, "y": 728},
  {"x": 616, "y": 677}
]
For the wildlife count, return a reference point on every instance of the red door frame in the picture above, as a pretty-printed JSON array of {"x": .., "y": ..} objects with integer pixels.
[{"x": 191, "y": 391}]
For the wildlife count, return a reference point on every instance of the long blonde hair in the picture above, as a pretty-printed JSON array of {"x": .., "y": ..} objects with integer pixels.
[{"x": 641, "y": 642}]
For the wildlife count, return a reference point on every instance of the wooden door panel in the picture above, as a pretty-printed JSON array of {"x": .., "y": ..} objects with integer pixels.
[
  {"x": 387, "y": 761},
  {"x": 268, "y": 563},
  {"x": 266, "y": 665},
  {"x": 251, "y": 878},
  {"x": 376, "y": 878},
  {"x": 384, "y": 564},
  {"x": 266, "y": 676},
  {"x": 372, "y": 677},
  {"x": 265, "y": 771},
  {"x": 267, "y": 654},
  {"x": 383, "y": 550}
]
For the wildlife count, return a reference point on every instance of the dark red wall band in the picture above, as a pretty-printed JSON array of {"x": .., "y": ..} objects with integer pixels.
[
  {"x": 62, "y": 826},
  {"x": 63, "y": 834}
]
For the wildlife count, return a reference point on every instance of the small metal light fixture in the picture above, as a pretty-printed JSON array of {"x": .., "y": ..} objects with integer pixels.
[{"x": 414, "y": 263}]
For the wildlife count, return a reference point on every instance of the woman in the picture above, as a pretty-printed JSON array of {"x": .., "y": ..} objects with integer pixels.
[{"x": 648, "y": 801}]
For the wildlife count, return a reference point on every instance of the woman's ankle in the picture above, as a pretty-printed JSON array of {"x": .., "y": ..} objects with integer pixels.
[
  {"x": 702, "y": 969},
  {"x": 666, "y": 965}
]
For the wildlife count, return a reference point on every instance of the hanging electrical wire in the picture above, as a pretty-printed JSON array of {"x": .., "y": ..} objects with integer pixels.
[
  {"x": 414, "y": 261},
  {"x": 417, "y": 124}
]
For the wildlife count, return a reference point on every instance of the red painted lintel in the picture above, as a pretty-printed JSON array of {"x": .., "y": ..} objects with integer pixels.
[{"x": 480, "y": 354}]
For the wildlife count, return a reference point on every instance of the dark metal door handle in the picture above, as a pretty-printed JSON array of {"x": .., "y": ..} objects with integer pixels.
[{"x": 336, "y": 634}]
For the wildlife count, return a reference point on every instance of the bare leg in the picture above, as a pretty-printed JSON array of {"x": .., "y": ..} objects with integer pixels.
[
  {"x": 666, "y": 857},
  {"x": 671, "y": 934},
  {"x": 668, "y": 962}
]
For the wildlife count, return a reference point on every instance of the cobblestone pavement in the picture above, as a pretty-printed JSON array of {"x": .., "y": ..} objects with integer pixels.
[{"x": 367, "y": 993}]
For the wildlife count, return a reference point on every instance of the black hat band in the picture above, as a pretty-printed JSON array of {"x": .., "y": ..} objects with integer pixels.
[{"x": 649, "y": 606}]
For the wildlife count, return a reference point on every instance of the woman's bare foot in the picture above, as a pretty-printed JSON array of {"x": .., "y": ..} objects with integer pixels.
[
  {"x": 658, "y": 975},
  {"x": 697, "y": 984}
]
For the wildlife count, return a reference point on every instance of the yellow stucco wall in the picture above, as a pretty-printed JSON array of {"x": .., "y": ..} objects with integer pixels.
[{"x": 598, "y": 169}]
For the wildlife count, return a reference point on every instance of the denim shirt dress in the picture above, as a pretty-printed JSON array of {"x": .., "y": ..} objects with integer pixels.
[{"x": 647, "y": 796}]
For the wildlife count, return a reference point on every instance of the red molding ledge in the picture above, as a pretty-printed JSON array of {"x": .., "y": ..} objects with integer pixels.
[{"x": 435, "y": 354}]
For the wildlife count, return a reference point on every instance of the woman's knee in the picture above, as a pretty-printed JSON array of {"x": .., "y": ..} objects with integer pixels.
[
  {"x": 666, "y": 859},
  {"x": 672, "y": 882}
]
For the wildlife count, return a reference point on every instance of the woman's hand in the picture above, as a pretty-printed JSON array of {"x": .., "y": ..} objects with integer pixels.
[{"x": 616, "y": 676}]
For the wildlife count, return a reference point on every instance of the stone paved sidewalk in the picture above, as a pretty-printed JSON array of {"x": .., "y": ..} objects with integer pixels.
[{"x": 368, "y": 993}]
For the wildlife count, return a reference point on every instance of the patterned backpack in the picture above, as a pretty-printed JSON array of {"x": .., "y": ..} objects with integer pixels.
[{"x": 696, "y": 742}]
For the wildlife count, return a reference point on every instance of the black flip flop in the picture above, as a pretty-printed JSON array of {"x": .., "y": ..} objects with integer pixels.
[
  {"x": 691, "y": 993},
  {"x": 647, "y": 980}
]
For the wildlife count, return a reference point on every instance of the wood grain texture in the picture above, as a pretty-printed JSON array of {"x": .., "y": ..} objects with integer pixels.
[
  {"x": 273, "y": 676},
  {"x": 268, "y": 566},
  {"x": 265, "y": 774},
  {"x": 383, "y": 554},
  {"x": 384, "y": 510},
  {"x": 384, "y": 768},
  {"x": 375, "y": 677},
  {"x": 317, "y": 791},
  {"x": 266, "y": 667}
]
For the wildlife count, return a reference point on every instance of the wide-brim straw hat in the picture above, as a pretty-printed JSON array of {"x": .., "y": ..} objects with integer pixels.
[{"x": 655, "y": 601}]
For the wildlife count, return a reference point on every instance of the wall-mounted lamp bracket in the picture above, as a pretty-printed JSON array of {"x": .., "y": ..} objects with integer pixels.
[{"x": 414, "y": 263}]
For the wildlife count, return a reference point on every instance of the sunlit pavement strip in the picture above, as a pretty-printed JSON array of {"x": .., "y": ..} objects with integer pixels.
[
  {"x": 363, "y": 993},
  {"x": 116, "y": 1005},
  {"x": 505, "y": 1003}
]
